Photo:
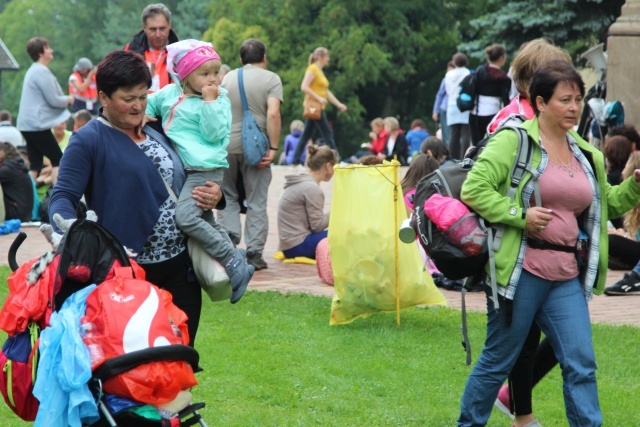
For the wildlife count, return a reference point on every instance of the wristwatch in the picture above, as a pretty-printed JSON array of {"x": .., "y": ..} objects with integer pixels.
[{"x": 273, "y": 148}]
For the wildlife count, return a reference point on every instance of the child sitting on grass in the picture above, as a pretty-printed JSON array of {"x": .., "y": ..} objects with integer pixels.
[{"x": 196, "y": 116}]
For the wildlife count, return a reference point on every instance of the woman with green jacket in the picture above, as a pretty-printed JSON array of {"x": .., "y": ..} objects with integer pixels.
[{"x": 543, "y": 277}]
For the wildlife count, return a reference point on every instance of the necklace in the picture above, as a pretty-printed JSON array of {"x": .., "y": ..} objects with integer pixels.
[{"x": 566, "y": 167}]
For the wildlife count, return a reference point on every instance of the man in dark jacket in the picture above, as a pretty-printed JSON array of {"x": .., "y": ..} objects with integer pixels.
[{"x": 151, "y": 42}]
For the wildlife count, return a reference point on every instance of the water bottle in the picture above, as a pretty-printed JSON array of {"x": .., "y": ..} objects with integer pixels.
[{"x": 88, "y": 332}]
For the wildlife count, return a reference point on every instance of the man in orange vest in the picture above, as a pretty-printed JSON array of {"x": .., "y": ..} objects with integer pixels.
[
  {"x": 152, "y": 41},
  {"x": 82, "y": 86}
]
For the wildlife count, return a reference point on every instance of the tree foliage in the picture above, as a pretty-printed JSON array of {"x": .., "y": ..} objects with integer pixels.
[
  {"x": 572, "y": 24},
  {"x": 387, "y": 58}
]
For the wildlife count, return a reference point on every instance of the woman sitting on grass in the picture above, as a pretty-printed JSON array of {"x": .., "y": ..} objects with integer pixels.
[{"x": 302, "y": 222}]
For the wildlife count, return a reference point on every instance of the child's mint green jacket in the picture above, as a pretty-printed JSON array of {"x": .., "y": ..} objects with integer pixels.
[{"x": 200, "y": 130}]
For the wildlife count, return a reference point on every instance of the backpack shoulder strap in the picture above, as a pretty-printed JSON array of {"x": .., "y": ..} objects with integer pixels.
[{"x": 521, "y": 165}]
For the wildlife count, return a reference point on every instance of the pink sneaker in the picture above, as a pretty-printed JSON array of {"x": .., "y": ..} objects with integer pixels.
[{"x": 502, "y": 402}]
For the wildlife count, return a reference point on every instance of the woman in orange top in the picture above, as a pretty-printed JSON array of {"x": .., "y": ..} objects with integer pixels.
[{"x": 315, "y": 85}]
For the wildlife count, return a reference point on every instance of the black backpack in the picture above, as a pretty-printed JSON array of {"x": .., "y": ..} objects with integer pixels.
[
  {"x": 467, "y": 92},
  {"x": 449, "y": 259},
  {"x": 447, "y": 181}
]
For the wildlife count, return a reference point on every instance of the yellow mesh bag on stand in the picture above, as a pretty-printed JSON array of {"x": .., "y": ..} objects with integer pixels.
[{"x": 373, "y": 270}]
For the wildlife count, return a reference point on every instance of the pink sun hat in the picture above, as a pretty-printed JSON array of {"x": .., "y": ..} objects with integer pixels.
[{"x": 186, "y": 55}]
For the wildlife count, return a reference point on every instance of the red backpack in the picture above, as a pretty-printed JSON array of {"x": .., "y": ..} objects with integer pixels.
[{"x": 132, "y": 315}]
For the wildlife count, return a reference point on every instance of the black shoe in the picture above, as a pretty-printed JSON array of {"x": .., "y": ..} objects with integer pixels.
[
  {"x": 255, "y": 259},
  {"x": 628, "y": 285}
]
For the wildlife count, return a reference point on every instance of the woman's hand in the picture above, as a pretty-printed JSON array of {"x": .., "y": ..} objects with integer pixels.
[
  {"x": 538, "y": 218},
  {"x": 341, "y": 107},
  {"x": 636, "y": 176},
  {"x": 207, "y": 196},
  {"x": 321, "y": 100}
]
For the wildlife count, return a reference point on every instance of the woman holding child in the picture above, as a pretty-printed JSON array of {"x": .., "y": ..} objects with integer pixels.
[
  {"x": 537, "y": 267},
  {"x": 121, "y": 169}
]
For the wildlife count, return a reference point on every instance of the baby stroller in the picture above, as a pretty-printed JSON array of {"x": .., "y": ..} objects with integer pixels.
[{"x": 88, "y": 254}]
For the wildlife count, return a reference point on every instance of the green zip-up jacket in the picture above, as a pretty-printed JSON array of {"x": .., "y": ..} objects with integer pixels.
[{"x": 486, "y": 185}]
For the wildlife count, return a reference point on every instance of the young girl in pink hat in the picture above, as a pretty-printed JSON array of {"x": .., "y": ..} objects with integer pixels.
[{"x": 196, "y": 116}]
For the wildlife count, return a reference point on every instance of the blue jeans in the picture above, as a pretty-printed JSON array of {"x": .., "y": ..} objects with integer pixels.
[{"x": 560, "y": 309}]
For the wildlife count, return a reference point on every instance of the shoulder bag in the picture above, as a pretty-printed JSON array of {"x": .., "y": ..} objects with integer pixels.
[
  {"x": 312, "y": 109},
  {"x": 254, "y": 142}
]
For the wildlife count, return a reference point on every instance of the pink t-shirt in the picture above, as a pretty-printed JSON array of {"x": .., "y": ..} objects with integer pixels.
[{"x": 567, "y": 197}]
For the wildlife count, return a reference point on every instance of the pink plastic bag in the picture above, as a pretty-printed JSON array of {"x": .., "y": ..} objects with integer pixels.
[
  {"x": 468, "y": 235},
  {"x": 444, "y": 211}
]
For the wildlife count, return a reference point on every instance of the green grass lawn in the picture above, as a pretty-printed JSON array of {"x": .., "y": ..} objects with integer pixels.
[{"x": 273, "y": 360}]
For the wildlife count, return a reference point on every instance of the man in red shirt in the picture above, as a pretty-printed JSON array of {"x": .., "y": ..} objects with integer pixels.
[{"x": 152, "y": 41}]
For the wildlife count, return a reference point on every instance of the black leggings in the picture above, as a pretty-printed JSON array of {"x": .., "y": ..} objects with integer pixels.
[
  {"x": 478, "y": 127},
  {"x": 39, "y": 144},
  {"x": 459, "y": 140},
  {"x": 536, "y": 359},
  {"x": 173, "y": 276},
  {"x": 624, "y": 250}
]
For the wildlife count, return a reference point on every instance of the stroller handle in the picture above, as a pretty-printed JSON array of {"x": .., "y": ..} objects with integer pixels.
[{"x": 13, "y": 249}]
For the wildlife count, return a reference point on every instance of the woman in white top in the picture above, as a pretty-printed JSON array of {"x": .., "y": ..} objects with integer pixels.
[
  {"x": 457, "y": 121},
  {"x": 492, "y": 87}
]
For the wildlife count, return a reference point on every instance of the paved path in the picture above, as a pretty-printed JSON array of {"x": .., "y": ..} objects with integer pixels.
[{"x": 304, "y": 278}]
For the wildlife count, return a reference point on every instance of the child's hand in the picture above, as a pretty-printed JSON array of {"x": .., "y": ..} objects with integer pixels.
[
  {"x": 210, "y": 92},
  {"x": 146, "y": 119}
]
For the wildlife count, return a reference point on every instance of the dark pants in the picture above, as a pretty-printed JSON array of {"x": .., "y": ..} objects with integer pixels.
[
  {"x": 308, "y": 247},
  {"x": 623, "y": 250},
  {"x": 536, "y": 359},
  {"x": 326, "y": 133},
  {"x": 444, "y": 126},
  {"x": 460, "y": 140},
  {"x": 173, "y": 276},
  {"x": 42, "y": 143},
  {"x": 478, "y": 127}
]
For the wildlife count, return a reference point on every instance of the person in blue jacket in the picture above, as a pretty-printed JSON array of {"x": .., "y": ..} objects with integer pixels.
[
  {"x": 416, "y": 136},
  {"x": 292, "y": 140}
]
